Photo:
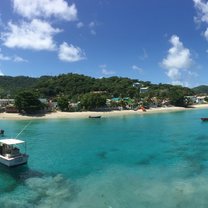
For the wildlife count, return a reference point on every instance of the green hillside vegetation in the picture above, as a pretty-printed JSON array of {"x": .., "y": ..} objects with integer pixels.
[
  {"x": 9, "y": 86},
  {"x": 202, "y": 89},
  {"x": 75, "y": 87}
]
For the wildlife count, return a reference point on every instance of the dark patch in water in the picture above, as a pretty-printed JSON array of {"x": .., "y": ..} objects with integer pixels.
[
  {"x": 20, "y": 172},
  {"x": 102, "y": 155},
  {"x": 29, "y": 174},
  {"x": 202, "y": 138},
  {"x": 147, "y": 160}
]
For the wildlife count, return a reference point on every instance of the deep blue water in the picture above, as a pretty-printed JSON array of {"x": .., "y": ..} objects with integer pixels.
[{"x": 158, "y": 160}]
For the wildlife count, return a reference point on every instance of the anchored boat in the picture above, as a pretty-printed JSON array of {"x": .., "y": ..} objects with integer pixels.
[
  {"x": 10, "y": 154},
  {"x": 94, "y": 116},
  {"x": 2, "y": 132},
  {"x": 204, "y": 119}
]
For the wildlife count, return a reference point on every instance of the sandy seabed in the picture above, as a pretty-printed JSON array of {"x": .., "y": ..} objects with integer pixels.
[{"x": 58, "y": 114}]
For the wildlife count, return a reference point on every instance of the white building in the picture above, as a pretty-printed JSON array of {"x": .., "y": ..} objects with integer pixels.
[{"x": 144, "y": 89}]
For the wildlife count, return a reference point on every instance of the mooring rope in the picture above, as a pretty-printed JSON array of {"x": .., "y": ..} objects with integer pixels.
[{"x": 24, "y": 128}]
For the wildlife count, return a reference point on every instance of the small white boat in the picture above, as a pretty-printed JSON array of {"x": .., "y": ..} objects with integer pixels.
[{"x": 10, "y": 154}]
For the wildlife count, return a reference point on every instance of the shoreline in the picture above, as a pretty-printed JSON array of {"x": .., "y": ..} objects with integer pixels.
[{"x": 73, "y": 115}]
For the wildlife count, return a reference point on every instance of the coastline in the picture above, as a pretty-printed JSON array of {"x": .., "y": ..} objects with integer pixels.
[{"x": 72, "y": 115}]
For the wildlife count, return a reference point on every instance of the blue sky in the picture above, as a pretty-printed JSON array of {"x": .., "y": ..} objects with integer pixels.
[{"x": 162, "y": 41}]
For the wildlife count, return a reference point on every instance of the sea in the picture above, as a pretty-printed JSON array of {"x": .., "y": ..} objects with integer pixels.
[{"x": 136, "y": 161}]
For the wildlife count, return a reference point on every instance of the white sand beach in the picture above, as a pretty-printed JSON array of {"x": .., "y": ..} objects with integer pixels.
[{"x": 58, "y": 114}]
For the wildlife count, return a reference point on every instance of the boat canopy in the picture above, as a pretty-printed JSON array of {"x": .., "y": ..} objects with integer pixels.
[{"x": 11, "y": 141}]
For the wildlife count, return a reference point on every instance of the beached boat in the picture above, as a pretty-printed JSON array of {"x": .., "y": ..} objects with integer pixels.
[
  {"x": 94, "y": 116},
  {"x": 204, "y": 119},
  {"x": 10, "y": 154}
]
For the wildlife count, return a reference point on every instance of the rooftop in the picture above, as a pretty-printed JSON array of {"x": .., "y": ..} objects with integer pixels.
[{"x": 11, "y": 141}]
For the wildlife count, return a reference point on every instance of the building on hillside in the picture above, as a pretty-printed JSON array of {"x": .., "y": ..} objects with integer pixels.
[
  {"x": 144, "y": 89},
  {"x": 49, "y": 105},
  {"x": 99, "y": 92},
  {"x": 197, "y": 99},
  {"x": 192, "y": 98},
  {"x": 200, "y": 99},
  {"x": 5, "y": 102},
  {"x": 136, "y": 84}
]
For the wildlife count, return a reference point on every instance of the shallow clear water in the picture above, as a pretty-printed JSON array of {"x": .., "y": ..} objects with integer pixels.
[{"x": 158, "y": 160}]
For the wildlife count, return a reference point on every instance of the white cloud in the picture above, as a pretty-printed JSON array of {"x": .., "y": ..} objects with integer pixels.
[
  {"x": 70, "y": 53},
  {"x": 202, "y": 10},
  {"x": 80, "y": 24},
  {"x": 92, "y": 24},
  {"x": 4, "y": 58},
  {"x": 1, "y": 73},
  {"x": 37, "y": 35},
  {"x": 107, "y": 72},
  {"x": 138, "y": 69},
  {"x": 19, "y": 59},
  {"x": 178, "y": 60},
  {"x": 202, "y": 14},
  {"x": 13, "y": 58},
  {"x": 45, "y": 9},
  {"x": 206, "y": 34},
  {"x": 92, "y": 28}
]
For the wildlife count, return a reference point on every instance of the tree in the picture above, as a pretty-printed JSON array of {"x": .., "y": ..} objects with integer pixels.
[
  {"x": 91, "y": 101},
  {"x": 28, "y": 102},
  {"x": 63, "y": 103},
  {"x": 177, "y": 99}
]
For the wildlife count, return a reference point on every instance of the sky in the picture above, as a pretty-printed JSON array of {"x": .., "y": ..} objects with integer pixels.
[{"x": 162, "y": 41}]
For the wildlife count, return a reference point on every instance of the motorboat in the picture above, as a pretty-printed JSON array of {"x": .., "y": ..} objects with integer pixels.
[
  {"x": 10, "y": 152},
  {"x": 94, "y": 116},
  {"x": 2, "y": 132},
  {"x": 204, "y": 119}
]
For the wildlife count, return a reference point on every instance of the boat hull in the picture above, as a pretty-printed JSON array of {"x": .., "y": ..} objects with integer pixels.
[
  {"x": 94, "y": 116},
  {"x": 15, "y": 161},
  {"x": 204, "y": 119}
]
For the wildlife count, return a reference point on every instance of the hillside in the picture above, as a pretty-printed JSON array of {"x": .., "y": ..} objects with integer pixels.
[
  {"x": 9, "y": 86},
  {"x": 74, "y": 86},
  {"x": 202, "y": 89}
]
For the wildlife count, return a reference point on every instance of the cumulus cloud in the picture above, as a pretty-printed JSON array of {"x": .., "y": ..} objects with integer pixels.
[
  {"x": 178, "y": 60},
  {"x": 202, "y": 14},
  {"x": 45, "y": 9},
  {"x": 70, "y": 53},
  {"x": 36, "y": 35},
  {"x": 202, "y": 10}
]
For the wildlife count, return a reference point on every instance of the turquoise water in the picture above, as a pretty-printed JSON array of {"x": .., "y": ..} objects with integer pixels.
[{"x": 158, "y": 160}]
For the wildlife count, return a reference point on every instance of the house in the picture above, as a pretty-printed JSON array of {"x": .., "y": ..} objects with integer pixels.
[
  {"x": 136, "y": 84},
  {"x": 200, "y": 100},
  {"x": 192, "y": 98},
  {"x": 5, "y": 102},
  {"x": 144, "y": 89}
]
